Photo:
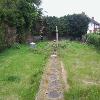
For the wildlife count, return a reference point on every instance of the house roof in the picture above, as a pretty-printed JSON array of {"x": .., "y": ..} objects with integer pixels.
[{"x": 93, "y": 21}]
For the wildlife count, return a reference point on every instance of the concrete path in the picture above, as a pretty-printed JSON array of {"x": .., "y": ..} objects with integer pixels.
[{"x": 51, "y": 86}]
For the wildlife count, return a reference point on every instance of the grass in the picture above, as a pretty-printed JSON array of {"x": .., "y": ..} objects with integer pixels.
[
  {"x": 21, "y": 70},
  {"x": 82, "y": 63}
]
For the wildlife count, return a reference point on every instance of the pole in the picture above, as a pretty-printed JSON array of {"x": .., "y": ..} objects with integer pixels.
[{"x": 57, "y": 35}]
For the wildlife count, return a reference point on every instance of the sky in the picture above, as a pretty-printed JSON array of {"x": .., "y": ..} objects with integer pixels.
[{"x": 64, "y": 7}]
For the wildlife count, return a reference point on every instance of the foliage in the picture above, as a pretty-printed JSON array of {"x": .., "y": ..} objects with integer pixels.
[
  {"x": 18, "y": 10},
  {"x": 63, "y": 26},
  {"x": 73, "y": 25},
  {"x": 2, "y": 39},
  {"x": 77, "y": 24},
  {"x": 50, "y": 24},
  {"x": 93, "y": 38},
  {"x": 23, "y": 15}
]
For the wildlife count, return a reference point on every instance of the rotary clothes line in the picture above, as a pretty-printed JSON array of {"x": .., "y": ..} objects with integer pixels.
[{"x": 57, "y": 35}]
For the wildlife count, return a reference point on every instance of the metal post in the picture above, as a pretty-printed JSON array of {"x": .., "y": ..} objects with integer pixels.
[{"x": 57, "y": 35}]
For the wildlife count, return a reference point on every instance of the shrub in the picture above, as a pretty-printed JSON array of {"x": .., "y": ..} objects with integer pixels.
[
  {"x": 2, "y": 39},
  {"x": 93, "y": 38}
]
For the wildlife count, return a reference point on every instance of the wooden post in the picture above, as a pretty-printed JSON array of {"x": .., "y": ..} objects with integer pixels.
[{"x": 57, "y": 35}]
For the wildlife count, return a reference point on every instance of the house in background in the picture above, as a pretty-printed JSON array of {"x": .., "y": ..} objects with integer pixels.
[{"x": 94, "y": 26}]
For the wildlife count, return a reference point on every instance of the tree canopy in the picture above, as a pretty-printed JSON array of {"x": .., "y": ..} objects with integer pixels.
[
  {"x": 19, "y": 13},
  {"x": 77, "y": 24}
]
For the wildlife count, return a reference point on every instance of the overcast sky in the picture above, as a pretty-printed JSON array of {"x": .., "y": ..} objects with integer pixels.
[{"x": 63, "y": 7}]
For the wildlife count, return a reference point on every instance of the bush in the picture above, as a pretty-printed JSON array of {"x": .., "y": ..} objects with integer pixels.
[
  {"x": 2, "y": 39},
  {"x": 93, "y": 38}
]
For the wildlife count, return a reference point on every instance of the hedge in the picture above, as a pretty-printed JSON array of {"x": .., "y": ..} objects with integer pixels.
[{"x": 93, "y": 38}]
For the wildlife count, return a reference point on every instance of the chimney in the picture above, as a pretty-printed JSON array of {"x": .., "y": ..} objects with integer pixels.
[
  {"x": 83, "y": 13},
  {"x": 93, "y": 18}
]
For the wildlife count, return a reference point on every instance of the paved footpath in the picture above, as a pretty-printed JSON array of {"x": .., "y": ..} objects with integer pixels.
[{"x": 51, "y": 86}]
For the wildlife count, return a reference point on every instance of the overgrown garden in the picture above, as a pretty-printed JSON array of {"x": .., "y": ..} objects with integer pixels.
[{"x": 21, "y": 67}]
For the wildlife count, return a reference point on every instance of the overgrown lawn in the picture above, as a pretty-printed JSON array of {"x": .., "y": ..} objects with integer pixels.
[
  {"x": 21, "y": 71},
  {"x": 82, "y": 63}
]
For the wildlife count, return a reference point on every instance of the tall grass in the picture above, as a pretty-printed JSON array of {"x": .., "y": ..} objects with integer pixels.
[
  {"x": 82, "y": 63},
  {"x": 21, "y": 70}
]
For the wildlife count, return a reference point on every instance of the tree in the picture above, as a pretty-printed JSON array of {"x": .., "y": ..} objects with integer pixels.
[
  {"x": 62, "y": 26},
  {"x": 77, "y": 25},
  {"x": 50, "y": 24},
  {"x": 20, "y": 14}
]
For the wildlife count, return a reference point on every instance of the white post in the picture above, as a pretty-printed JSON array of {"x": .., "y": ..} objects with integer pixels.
[{"x": 57, "y": 35}]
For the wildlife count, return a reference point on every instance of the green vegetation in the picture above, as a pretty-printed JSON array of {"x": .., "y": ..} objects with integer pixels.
[
  {"x": 82, "y": 63},
  {"x": 2, "y": 39},
  {"x": 94, "y": 39},
  {"x": 77, "y": 25},
  {"x": 21, "y": 69},
  {"x": 18, "y": 19},
  {"x": 74, "y": 25},
  {"x": 50, "y": 24}
]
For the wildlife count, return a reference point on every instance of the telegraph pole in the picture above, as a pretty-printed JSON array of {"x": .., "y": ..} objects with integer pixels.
[{"x": 57, "y": 35}]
